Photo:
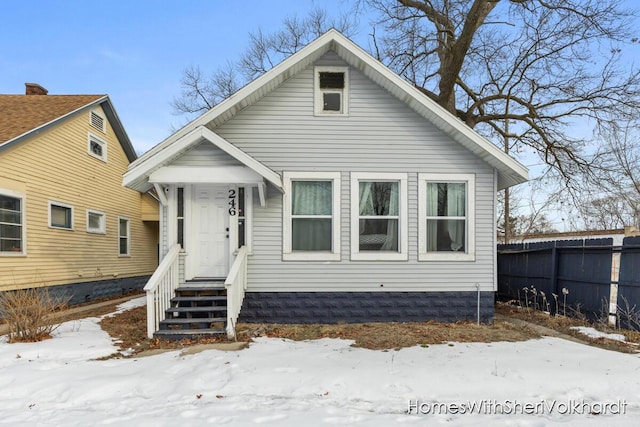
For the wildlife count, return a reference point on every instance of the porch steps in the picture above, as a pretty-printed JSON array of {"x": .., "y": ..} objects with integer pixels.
[{"x": 195, "y": 311}]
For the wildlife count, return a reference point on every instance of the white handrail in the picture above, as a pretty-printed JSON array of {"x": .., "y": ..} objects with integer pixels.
[
  {"x": 236, "y": 284},
  {"x": 160, "y": 289}
]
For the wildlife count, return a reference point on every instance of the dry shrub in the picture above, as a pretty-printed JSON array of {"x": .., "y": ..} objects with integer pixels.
[{"x": 27, "y": 314}]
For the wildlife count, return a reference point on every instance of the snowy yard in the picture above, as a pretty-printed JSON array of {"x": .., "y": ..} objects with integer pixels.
[{"x": 324, "y": 382}]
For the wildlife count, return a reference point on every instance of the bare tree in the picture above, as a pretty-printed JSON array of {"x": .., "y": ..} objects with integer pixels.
[
  {"x": 611, "y": 198},
  {"x": 528, "y": 212},
  {"x": 200, "y": 93},
  {"x": 556, "y": 63},
  {"x": 549, "y": 68}
]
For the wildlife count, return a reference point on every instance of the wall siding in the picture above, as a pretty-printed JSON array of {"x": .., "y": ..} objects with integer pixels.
[
  {"x": 381, "y": 134},
  {"x": 206, "y": 154},
  {"x": 56, "y": 166}
]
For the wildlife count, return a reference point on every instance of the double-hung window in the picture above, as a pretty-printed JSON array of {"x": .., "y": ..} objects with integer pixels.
[
  {"x": 379, "y": 216},
  {"x": 12, "y": 230},
  {"x": 446, "y": 217},
  {"x": 124, "y": 237},
  {"x": 311, "y": 220}
]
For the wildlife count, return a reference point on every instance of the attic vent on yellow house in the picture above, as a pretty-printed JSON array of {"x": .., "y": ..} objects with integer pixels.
[{"x": 97, "y": 121}]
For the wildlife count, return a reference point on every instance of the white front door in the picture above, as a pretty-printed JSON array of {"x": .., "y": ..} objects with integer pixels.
[{"x": 209, "y": 253}]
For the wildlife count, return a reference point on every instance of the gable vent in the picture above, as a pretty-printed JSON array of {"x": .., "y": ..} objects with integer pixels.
[{"x": 97, "y": 121}]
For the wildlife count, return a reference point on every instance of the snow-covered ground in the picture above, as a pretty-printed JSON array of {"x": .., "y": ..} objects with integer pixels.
[{"x": 325, "y": 382}]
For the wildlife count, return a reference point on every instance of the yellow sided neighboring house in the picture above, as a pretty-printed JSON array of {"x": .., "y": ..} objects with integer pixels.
[{"x": 66, "y": 221}]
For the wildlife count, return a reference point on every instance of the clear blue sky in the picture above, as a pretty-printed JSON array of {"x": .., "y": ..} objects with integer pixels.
[{"x": 132, "y": 50}]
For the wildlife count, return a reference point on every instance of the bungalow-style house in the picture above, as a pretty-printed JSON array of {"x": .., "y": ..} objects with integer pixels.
[
  {"x": 331, "y": 190},
  {"x": 66, "y": 222}
]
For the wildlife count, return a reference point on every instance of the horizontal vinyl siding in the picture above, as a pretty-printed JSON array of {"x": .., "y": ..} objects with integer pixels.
[
  {"x": 55, "y": 166},
  {"x": 380, "y": 135},
  {"x": 205, "y": 154}
]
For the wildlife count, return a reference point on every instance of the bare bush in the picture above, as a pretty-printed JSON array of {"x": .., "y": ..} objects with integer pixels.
[{"x": 27, "y": 313}]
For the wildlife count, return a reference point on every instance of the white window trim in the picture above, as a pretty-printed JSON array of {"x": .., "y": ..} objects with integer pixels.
[
  {"x": 103, "y": 222},
  {"x": 318, "y": 100},
  {"x": 23, "y": 220},
  {"x": 102, "y": 142},
  {"x": 128, "y": 254},
  {"x": 403, "y": 233},
  {"x": 104, "y": 120},
  {"x": 287, "y": 253},
  {"x": 470, "y": 180},
  {"x": 62, "y": 205}
]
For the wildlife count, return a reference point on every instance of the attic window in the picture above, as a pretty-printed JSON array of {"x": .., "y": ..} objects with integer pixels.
[
  {"x": 97, "y": 148},
  {"x": 97, "y": 121},
  {"x": 331, "y": 90}
]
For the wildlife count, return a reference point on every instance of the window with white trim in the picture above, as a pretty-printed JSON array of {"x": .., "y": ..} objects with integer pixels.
[
  {"x": 331, "y": 94},
  {"x": 311, "y": 216},
  {"x": 446, "y": 212},
  {"x": 97, "y": 121},
  {"x": 97, "y": 147},
  {"x": 124, "y": 237},
  {"x": 12, "y": 223},
  {"x": 379, "y": 216},
  {"x": 60, "y": 216},
  {"x": 96, "y": 222}
]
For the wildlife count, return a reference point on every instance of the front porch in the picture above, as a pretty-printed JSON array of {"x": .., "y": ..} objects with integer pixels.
[
  {"x": 181, "y": 309},
  {"x": 206, "y": 187}
]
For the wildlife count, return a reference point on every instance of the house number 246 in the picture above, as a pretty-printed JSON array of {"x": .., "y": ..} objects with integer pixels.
[{"x": 232, "y": 202}]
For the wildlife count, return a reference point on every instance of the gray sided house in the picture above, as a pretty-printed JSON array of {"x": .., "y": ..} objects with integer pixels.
[{"x": 327, "y": 190}]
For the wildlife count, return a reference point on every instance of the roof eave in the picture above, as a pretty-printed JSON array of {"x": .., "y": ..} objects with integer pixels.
[
  {"x": 510, "y": 171},
  {"x": 45, "y": 126}
]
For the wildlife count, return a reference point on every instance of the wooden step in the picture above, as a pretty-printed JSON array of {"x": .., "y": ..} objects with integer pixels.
[
  {"x": 186, "y": 321},
  {"x": 199, "y": 298},
  {"x": 198, "y": 289},
  {"x": 175, "y": 334},
  {"x": 196, "y": 309}
]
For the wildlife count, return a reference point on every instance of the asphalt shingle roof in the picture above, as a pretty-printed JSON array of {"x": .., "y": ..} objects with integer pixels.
[{"x": 22, "y": 113}]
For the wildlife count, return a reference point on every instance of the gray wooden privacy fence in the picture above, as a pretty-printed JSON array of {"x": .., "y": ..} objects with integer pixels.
[{"x": 590, "y": 276}]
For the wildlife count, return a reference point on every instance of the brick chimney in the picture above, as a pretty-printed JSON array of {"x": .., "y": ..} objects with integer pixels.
[{"x": 35, "y": 89}]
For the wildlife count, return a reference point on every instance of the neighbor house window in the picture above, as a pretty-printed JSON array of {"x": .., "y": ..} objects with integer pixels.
[
  {"x": 97, "y": 147},
  {"x": 96, "y": 222},
  {"x": 331, "y": 90},
  {"x": 311, "y": 216},
  {"x": 446, "y": 216},
  {"x": 379, "y": 216},
  {"x": 12, "y": 230},
  {"x": 124, "y": 238},
  {"x": 96, "y": 120},
  {"x": 60, "y": 215}
]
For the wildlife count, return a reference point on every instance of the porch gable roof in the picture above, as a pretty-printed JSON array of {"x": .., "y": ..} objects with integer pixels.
[{"x": 138, "y": 178}]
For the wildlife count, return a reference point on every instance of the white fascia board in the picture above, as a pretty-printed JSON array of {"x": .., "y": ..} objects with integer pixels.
[
  {"x": 505, "y": 163},
  {"x": 242, "y": 157},
  {"x": 204, "y": 175},
  {"x": 305, "y": 56},
  {"x": 139, "y": 170},
  {"x": 132, "y": 177}
]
